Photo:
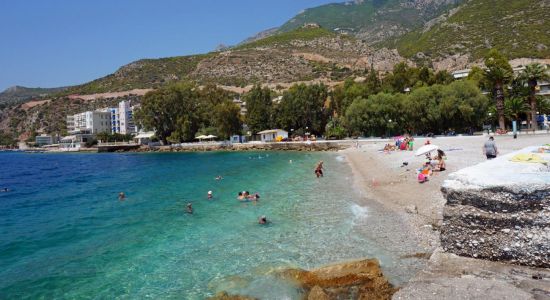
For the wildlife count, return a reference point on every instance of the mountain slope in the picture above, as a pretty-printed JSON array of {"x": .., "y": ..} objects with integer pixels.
[
  {"x": 372, "y": 20},
  {"x": 301, "y": 54},
  {"x": 519, "y": 28},
  {"x": 17, "y": 94}
]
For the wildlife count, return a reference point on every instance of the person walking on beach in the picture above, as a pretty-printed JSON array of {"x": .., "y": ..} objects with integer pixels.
[
  {"x": 490, "y": 148},
  {"x": 319, "y": 169}
]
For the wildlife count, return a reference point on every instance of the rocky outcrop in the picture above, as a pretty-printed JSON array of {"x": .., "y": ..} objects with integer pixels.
[
  {"x": 499, "y": 210},
  {"x": 352, "y": 280}
]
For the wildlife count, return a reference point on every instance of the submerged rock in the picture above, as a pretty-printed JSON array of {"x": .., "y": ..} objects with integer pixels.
[
  {"x": 352, "y": 280},
  {"x": 499, "y": 210}
]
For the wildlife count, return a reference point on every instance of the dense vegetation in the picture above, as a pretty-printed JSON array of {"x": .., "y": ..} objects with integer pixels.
[
  {"x": 518, "y": 28},
  {"x": 179, "y": 112}
]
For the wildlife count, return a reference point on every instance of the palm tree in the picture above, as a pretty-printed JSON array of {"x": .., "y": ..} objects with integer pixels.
[
  {"x": 532, "y": 74},
  {"x": 514, "y": 107},
  {"x": 498, "y": 74}
]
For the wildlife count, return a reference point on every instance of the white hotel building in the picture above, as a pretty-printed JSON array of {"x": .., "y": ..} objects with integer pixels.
[{"x": 114, "y": 120}]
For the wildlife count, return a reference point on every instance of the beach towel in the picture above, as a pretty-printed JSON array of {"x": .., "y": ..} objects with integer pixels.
[{"x": 528, "y": 158}]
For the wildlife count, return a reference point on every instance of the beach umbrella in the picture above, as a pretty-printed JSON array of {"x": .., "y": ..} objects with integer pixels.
[
  {"x": 426, "y": 149},
  {"x": 201, "y": 137}
]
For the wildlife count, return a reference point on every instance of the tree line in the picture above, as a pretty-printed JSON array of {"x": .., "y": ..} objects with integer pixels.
[{"x": 408, "y": 99}]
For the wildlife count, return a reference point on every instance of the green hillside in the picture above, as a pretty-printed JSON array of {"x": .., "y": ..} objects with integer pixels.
[
  {"x": 145, "y": 73},
  {"x": 337, "y": 15},
  {"x": 282, "y": 38},
  {"x": 519, "y": 28},
  {"x": 17, "y": 94},
  {"x": 372, "y": 20}
]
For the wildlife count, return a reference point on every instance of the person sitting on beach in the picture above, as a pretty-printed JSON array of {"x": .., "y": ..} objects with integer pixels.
[
  {"x": 319, "y": 169},
  {"x": 440, "y": 158},
  {"x": 121, "y": 196},
  {"x": 262, "y": 220},
  {"x": 210, "y": 196},
  {"x": 189, "y": 208}
]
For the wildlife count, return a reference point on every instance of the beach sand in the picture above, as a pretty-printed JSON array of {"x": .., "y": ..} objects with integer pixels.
[{"x": 384, "y": 181}]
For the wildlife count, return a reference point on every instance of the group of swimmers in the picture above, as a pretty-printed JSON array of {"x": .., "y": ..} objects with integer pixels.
[{"x": 245, "y": 195}]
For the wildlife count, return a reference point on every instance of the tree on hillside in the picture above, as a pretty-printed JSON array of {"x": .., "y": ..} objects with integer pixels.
[
  {"x": 259, "y": 107},
  {"x": 532, "y": 74},
  {"x": 373, "y": 83},
  {"x": 498, "y": 74}
]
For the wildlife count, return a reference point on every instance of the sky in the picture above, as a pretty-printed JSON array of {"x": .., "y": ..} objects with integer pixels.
[{"x": 66, "y": 42}]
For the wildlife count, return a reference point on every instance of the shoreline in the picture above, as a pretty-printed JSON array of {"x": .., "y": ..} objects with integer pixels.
[{"x": 384, "y": 181}]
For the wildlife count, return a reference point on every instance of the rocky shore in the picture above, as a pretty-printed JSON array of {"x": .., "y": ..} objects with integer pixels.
[
  {"x": 486, "y": 220},
  {"x": 499, "y": 210},
  {"x": 361, "y": 279},
  {"x": 280, "y": 146}
]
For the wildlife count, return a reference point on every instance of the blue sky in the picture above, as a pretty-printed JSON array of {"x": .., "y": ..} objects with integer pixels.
[{"x": 65, "y": 42}]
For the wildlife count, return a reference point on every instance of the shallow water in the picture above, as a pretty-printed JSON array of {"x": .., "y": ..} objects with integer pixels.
[{"x": 64, "y": 234}]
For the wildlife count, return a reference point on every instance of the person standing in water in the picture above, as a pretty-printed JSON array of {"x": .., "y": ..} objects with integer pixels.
[
  {"x": 121, "y": 196},
  {"x": 319, "y": 169},
  {"x": 490, "y": 148},
  {"x": 189, "y": 208},
  {"x": 210, "y": 196}
]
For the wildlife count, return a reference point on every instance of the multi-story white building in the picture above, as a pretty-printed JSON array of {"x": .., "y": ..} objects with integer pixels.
[
  {"x": 90, "y": 121},
  {"x": 126, "y": 118},
  {"x": 114, "y": 120}
]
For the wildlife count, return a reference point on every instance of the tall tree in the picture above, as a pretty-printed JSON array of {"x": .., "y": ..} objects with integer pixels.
[
  {"x": 532, "y": 74},
  {"x": 498, "y": 74},
  {"x": 259, "y": 107},
  {"x": 172, "y": 111},
  {"x": 227, "y": 119}
]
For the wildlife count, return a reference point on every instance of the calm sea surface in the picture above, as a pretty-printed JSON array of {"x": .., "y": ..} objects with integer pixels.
[{"x": 65, "y": 234}]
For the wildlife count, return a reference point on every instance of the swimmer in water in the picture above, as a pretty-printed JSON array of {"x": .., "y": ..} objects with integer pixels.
[
  {"x": 262, "y": 220},
  {"x": 240, "y": 196},
  {"x": 319, "y": 169},
  {"x": 210, "y": 196},
  {"x": 253, "y": 197},
  {"x": 4, "y": 190},
  {"x": 121, "y": 196},
  {"x": 189, "y": 208},
  {"x": 219, "y": 177}
]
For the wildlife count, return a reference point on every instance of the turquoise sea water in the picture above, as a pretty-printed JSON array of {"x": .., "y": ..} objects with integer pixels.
[{"x": 64, "y": 233}]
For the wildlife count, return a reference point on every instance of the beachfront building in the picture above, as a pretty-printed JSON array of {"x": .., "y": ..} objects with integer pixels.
[
  {"x": 44, "y": 139},
  {"x": 90, "y": 122},
  {"x": 126, "y": 118},
  {"x": 118, "y": 119},
  {"x": 273, "y": 135},
  {"x": 144, "y": 138}
]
